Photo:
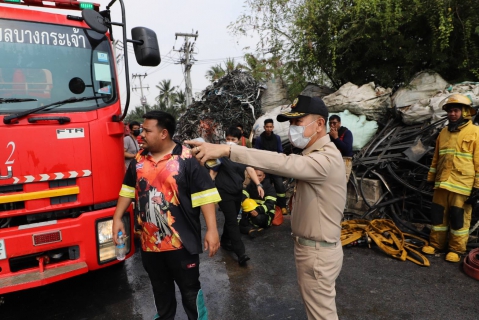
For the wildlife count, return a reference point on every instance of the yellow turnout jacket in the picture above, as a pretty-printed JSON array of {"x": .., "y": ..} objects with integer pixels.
[{"x": 455, "y": 165}]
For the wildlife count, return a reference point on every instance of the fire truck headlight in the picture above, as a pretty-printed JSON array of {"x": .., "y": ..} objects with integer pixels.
[{"x": 106, "y": 246}]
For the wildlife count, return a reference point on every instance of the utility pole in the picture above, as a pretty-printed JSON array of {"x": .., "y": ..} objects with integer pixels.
[
  {"x": 187, "y": 50},
  {"x": 143, "y": 98}
]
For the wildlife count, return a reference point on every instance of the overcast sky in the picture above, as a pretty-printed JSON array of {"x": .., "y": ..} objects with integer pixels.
[{"x": 214, "y": 44}]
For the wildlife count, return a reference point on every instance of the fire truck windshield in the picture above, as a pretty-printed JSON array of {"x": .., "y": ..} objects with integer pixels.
[{"x": 39, "y": 62}]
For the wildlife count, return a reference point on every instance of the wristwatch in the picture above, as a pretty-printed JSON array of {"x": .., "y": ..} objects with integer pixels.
[{"x": 259, "y": 185}]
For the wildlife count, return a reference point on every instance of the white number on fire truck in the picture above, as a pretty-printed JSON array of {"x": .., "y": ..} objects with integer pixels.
[{"x": 11, "y": 143}]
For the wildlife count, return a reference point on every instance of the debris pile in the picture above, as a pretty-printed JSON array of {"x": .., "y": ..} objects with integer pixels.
[
  {"x": 399, "y": 156},
  {"x": 369, "y": 100},
  {"x": 234, "y": 98},
  {"x": 420, "y": 100}
]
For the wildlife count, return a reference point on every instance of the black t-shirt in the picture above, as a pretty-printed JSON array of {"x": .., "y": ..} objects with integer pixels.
[{"x": 229, "y": 179}]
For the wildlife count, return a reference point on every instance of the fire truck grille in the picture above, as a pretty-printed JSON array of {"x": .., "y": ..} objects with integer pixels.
[
  {"x": 13, "y": 205},
  {"x": 54, "y": 256},
  {"x": 11, "y": 188},
  {"x": 52, "y": 215}
]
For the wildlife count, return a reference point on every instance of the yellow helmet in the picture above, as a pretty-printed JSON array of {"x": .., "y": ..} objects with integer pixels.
[
  {"x": 248, "y": 205},
  {"x": 461, "y": 99}
]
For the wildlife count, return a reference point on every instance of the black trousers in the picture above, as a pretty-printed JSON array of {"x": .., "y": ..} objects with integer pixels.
[
  {"x": 261, "y": 221},
  {"x": 166, "y": 268},
  {"x": 231, "y": 233},
  {"x": 277, "y": 181}
]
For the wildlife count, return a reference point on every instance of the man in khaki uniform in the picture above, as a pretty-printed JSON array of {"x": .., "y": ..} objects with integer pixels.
[{"x": 318, "y": 202}]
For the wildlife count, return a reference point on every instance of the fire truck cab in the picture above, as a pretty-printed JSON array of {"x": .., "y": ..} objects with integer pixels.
[{"x": 61, "y": 138}]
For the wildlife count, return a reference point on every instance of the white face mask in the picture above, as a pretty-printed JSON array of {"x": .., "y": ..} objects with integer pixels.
[
  {"x": 296, "y": 136},
  {"x": 230, "y": 143}
]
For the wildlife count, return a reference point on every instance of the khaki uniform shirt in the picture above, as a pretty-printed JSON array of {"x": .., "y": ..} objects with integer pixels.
[{"x": 320, "y": 188}]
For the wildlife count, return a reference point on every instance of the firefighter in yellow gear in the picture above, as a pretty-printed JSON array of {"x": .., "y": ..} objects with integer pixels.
[{"x": 455, "y": 174}]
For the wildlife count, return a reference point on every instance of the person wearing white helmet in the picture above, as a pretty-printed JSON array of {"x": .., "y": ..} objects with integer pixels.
[{"x": 455, "y": 174}]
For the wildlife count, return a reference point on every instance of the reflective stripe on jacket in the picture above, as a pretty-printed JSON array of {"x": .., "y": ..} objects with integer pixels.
[{"x": 455, "y": 165}]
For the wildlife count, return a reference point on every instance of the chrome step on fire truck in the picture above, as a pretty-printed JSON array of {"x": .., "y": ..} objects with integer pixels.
[{"x": 61, "y": 138}]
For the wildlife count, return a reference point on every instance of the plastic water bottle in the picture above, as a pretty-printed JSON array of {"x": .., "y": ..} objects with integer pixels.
[
  {"x": 240, "y": 215},
  {"x": 120, "y": 248}
]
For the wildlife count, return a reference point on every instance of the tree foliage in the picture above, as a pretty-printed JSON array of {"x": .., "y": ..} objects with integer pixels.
[
  {"x": 217, "y": 71},
  {"x": 261, "y": 69},
  {"x": 214, "y": 73},
  {"x": 170, "y": 99},
  {"x": 136, "y": 114},
  {"x": 386, "y": 41},
  {"x": 167, "y": 92}
]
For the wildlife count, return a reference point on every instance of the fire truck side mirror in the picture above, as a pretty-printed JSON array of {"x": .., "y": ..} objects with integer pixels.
[
  {"x": 95, "y": 20},
  {"x": 147, "y": 51}
]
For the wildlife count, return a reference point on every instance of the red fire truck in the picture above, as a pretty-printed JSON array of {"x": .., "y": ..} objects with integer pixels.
[{"x": 61, "y": 138}]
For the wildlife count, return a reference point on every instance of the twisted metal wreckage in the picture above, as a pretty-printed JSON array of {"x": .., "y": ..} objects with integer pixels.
[{"x": 234, "y": 98}]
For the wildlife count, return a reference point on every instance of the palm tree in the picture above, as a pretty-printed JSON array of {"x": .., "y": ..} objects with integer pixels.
[
  {"x": 180, "y": 99},
  {"x": 215, "y": 73},
  {"x": 162, "y": 106},
  {"x": 173, "y": 110},
  {"x": 137, "y": 114},
  {"x": 259, "y": 69},
  {"x": 231, "y": 66},
  {"x": 167, "y": 92}
]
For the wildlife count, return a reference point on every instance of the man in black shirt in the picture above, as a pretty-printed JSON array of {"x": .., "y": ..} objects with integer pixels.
[
  {"x": 342, "y": 138},
  {"x": 229, "y": 178}
]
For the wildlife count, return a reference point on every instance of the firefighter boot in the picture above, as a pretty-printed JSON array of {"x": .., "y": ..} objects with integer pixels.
[
  {"x": 453, "y": 257},
  {"x": 428, "y": 250},
  {"x": 242, "y": 260},
  {"x": 255, "y": 232}
]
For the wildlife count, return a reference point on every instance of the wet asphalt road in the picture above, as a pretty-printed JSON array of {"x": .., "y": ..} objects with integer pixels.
[{"x": 370, "y": 286}]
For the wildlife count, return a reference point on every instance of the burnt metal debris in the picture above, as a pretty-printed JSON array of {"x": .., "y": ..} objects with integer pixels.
[
  {"x": 234, "y": 98},
  {"x": 399, "y": 156}
]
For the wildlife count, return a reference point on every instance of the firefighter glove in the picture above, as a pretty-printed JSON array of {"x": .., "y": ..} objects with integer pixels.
[{"x": 473, "y": 198}]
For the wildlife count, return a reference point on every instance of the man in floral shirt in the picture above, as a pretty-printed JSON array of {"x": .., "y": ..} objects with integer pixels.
[{"x": 171, "y": 187}]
